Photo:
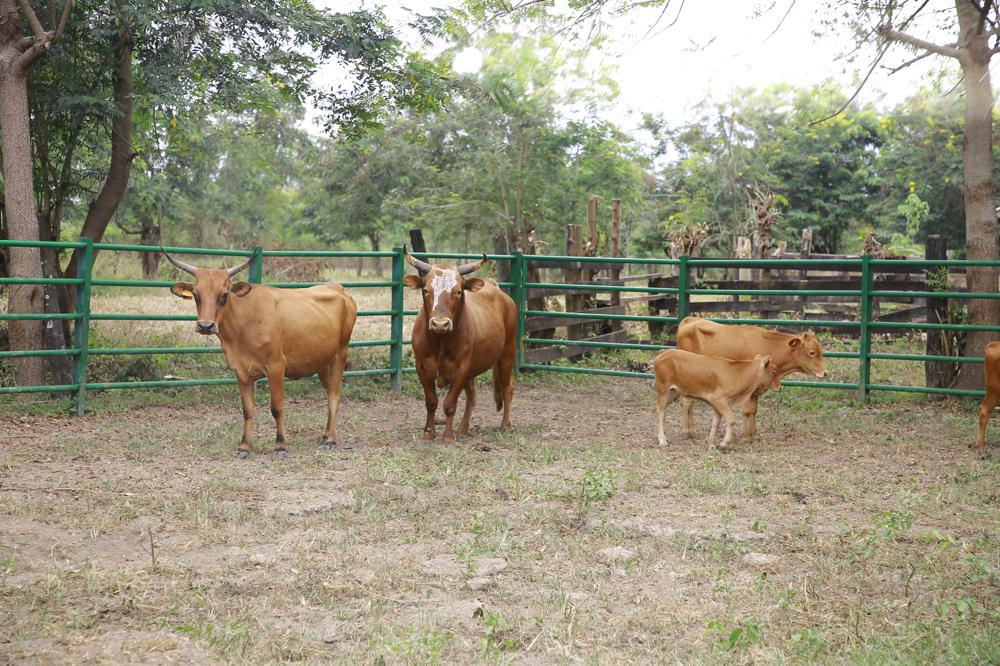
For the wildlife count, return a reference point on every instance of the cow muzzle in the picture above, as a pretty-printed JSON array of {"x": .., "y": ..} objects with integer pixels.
[
  {"x": 440, "y": 324},
  {"x": 823, "y": 375},
  {"x": 205, "y": 327}
]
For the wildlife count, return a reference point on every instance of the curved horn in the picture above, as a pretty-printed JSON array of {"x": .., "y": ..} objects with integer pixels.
[
  {"x": 421, "y": 266},
  {"x": 178, "y": 263},
  {"x": 236, "y": 269},
  {"x": 465, "y": 269}
]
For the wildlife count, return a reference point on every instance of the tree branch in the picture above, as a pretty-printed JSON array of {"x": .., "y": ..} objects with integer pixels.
[
  {"x": 31, "y": 55},
  {"x": 36, "y": 26},
  {"x": 63, "y": 20},
  {"x": 890, "y": 35},
  {"x": 857, "y": 91},
  {"x": 925, "y": 54},
  {"x": 788, "y": 11}
]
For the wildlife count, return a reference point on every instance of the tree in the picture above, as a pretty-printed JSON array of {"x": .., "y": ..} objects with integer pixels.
[
  {"x": 173, "y": 56},
  {"x": 973, "y": 23},
  {"x": 18, "y": 52}
]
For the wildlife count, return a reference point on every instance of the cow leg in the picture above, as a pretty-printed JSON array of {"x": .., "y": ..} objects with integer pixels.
[
  {"x": 750, "y": 417},
  {"x": 985, "y": 411},
  {"x": 663, "y": 399},
  {"x": 451, "y": 405},
  {"x": 332, "y": 378},
  {"x": 714, "y": 432},
  {"x": 430, "y": 402},
  {"x": 725, "y": 411},
  {"x": 246, "y": 397},
  {"x": 687, "y": 420},
  {"x": 470, "y": 403},
  {"x": 276, "y": 380},
  {"x": 503, "y": 387}
]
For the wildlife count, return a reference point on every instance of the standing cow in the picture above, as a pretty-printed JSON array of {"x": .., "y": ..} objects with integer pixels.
[
  {"x": 720, "y": 382},
  {"x": 790, "y": 353},
  {"x": 274, "y": 333},
  {"x": 465, "y": 327},
  {"x": 991, "y": 368}
]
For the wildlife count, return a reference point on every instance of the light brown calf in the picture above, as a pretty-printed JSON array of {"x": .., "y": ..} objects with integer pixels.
[
  {"x": 790, "y": 353},
  {"x": 991, "y": 368},
  {"x": 718, "y": 381}
]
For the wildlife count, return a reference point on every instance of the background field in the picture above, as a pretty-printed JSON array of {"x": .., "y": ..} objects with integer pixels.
[{"x": 857, "y": 534}]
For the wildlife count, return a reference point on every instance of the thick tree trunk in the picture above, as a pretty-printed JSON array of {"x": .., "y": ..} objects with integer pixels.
[
  {"x": 980, "y": 214},
  {"x": 19, "y": 201},
  {"x": 102, "y": 209}
]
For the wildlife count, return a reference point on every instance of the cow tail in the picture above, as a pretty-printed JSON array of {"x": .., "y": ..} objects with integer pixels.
[{"x": 497, "y": 388}]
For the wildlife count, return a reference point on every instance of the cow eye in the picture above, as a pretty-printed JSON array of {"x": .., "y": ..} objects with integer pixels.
[{"x": 224, "y": 298}]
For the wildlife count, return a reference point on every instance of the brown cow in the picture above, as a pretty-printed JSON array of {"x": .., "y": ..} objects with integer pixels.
[
  {"x": 465, "y": 327},
  {"x": 718, "y": 381},
  {"x": 790, "y": 353},
  {"x": 991, "y": 368},
  {"x": 274, "y": 333}
]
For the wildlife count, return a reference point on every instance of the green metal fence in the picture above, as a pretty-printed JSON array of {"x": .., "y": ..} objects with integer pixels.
[{"x": 518, "y": 287}]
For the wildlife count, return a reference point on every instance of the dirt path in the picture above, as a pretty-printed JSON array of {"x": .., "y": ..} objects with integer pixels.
[{"x": 138, "y": 538}]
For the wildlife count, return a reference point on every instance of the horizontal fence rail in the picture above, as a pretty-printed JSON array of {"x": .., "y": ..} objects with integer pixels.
[{"x": 521, "y": 288}]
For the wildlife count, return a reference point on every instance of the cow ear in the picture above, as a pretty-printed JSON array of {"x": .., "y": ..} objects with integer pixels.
[
  {"x": 413, "y": 282},
  {"x": 241, "y": 288},
  {"x": 473, "y": 284},
  {"x": 795, "y": 342},
  {"x": 183, "y": 289}
]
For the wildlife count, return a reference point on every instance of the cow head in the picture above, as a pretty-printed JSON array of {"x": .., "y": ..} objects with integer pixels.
[
  {"x": 807, "y": 354},
  {"x": 211, "y": 291},
  {"x": 767, "y": 373},
  {"x": 443, "y": 289}
]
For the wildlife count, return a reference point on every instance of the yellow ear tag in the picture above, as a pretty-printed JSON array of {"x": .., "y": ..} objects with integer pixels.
[{"x": 188, "y": 294}]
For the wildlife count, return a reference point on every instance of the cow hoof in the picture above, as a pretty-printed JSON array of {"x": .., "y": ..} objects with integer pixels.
[
  {"x": 328, "y": 446},
  {"x": 448, "y": 440},
  {"x": 242, "y": 455},
  {"x": 280, "y": 454}
]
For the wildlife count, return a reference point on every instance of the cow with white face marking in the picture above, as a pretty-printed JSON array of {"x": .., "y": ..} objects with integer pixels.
[{"x": 465, "y": 327}]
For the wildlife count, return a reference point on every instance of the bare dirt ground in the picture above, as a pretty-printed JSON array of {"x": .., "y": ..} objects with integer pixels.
[{"x": 846, "y": 534}]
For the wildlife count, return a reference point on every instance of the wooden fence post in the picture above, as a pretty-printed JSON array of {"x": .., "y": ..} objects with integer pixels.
[
  {"x": 616, "y": 251},
  {"x": 501, "y": 246},
  {"x": 937, "y": 374},
  {"x": 574, "y": 301},
  {"x": 805, "y": 249}
]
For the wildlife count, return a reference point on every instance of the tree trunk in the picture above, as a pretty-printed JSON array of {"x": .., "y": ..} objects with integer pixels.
[
  {"x": 19, "y": 201},
  {"x": 150, "y": 235},
  {"x": 980, "y": 214},
  {"x": 376, "y": 261},
  {"x": 102, "y": 209}
]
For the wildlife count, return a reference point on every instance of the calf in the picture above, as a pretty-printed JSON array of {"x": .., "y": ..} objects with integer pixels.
[
  {"x": 720, "y": 382},
  {"x": 790, "y": 353},
  {"x": 991, "y": 368}
]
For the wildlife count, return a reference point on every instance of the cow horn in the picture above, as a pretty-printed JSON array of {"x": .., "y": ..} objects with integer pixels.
[
  {"x": 178, "y": 263},
  {"x": 236, "y": 269},
  {"x": 465, "y": 269},
  {"x": 421, "y": 266}
]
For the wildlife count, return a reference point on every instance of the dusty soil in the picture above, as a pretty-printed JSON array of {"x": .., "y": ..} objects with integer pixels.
[{"x": 844, "y": 534}]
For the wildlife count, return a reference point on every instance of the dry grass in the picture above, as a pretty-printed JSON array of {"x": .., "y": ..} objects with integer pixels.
[{"x": 847, "y": 534}]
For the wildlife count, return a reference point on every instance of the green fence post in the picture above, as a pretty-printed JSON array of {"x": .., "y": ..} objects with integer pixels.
[
  {"x": 81, "y": 334},
  {"x": 682, "y": 289},
  {"x": 255, "y": 274},
  {"x": 396, "y": 326},
  {"x": 518, "y": 276},
  {"x": 865, "y": 314}
]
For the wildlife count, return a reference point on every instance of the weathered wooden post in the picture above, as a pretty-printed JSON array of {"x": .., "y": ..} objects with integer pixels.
[
  {"x": 501, "y": 246},
  {"x": 574, "y": 300},
  {"x": 805, "y": 249},
  {"x": 937, "y": 374},
  {"x": 743, "y": 251},
  {"x": 616, "y": 251}
]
